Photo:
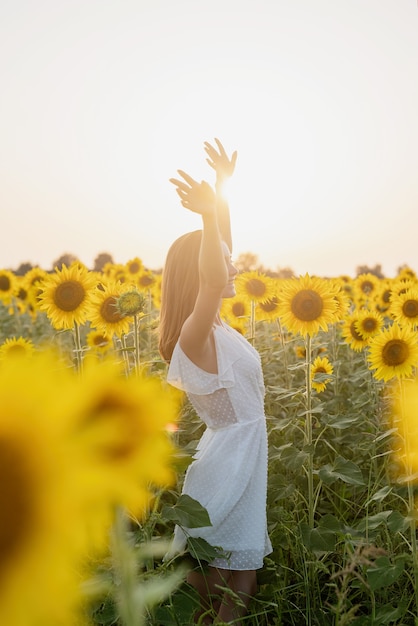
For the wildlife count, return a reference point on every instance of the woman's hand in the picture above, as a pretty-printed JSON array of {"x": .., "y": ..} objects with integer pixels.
[
  {"x": 219, "y": 161},
  {"x": 197, "y": 197}
]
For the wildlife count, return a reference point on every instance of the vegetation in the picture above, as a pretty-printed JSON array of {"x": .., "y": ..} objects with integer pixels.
[{"x": 339, "y": 359}]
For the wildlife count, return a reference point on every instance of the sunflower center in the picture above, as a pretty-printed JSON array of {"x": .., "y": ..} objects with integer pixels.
[
  {"x": 238, "y": 309},
  {"x": 307, "y": 305},
  {"x": 256, "y": 287},
  {"x": 269, "y": 306},
  {"x": 134, "y": 267},
  {"x": 395, "y": 352},
  {"x": 113, "y": 410},
  {"x": 369, "y": 324},
  {"x": 367, "y": 286},
  {"x": 386, "y": 296},
  {"x": 4, "y": 283},
  {"x": 109, "y": 311},
  {"x": 410, "y": 308},
  {"x": 15, "y": 502},
  {"x": 354, "y": 332},
  {"x": 100, "y": 340},
  {"x": 320, "y": 370},
  {"x": 69, "y": 295},
  {"x": 146, "y": 281}
]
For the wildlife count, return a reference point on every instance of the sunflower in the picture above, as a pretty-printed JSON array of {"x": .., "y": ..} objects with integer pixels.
[
  {"x": 307, "y": 304},
  {"x": 22, "y": 297},
  {"x": 342, "y": 299},
  {"x": 103, "y": 312},
  {"x": 321, "y": 367},
  {"x": 32, "y": 283},
  {"x": 268, "y": 310},
  {"x": 236, "y": 311},
  {"x": 393, "y": 353},
  {"x": 404, "y": 307},
  {"x": 39, "y": 531},
  {"x": 407, "y": 273},
  {"x": 383, "y": 295},
  {"x": 131, "y": 303},
  {"x": 16, "y": 346},
  {"x": 66, "y": 295},
  {"x": 351, "y": 334},
  {"x": 116, "y": 272},
  {"x": 121, "y": 426},
  {"x": 7, "y": 285},
  {"x": 368, "y": 323},
  {"x": 64, "y": 467},
  {"x": 156, "y": 291},
  {"x": 145, "y": 280},
  {"x": 255, "y": 285},
  {"x": 98, "y": 342},
  {"x": 134, "y": 267},
  {"x": 366, "y": 285}
]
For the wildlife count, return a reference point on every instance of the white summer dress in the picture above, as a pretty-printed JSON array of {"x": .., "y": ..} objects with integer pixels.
[{"x": 229, "y": 473}]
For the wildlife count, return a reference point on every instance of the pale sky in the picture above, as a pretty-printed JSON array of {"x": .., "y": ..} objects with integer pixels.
[{"x": 103, "y": 100}]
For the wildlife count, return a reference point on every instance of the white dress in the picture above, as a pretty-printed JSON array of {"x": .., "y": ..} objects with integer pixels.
[{"x": 229, "y": 473}]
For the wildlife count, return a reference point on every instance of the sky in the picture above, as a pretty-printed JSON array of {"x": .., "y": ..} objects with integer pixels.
[{"x": 103, "y": 100}]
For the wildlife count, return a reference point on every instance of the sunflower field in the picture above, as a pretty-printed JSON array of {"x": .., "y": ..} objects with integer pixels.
[{"x": 94, "y": 445}]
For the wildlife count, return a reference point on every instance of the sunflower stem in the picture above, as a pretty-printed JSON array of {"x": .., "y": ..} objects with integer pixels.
[
  {"x": 126, "y": 569},
  {"x": 78, "y": 348},
  {"x": 252, "y": 322},
  {"x": 136, "y": 343},
  {"x": 284, "y": 349},
  {"x": 308, "y": 432},
  {"x": 309, "y": 447}
]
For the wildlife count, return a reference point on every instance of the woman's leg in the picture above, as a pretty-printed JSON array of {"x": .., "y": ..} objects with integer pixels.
[
  {"x": 229, "y": 604},
  {"x": 209, "y": 585},
  {"x": 243, "y": 586}
]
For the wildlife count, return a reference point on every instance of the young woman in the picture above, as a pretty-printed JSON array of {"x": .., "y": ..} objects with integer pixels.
[{"x": 221, "y": 373}]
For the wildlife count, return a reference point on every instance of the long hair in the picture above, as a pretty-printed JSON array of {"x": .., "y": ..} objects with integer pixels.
[{"x": 179, "y": 289}]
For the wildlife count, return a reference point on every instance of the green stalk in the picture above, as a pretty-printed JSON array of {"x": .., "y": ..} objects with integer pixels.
[
  {"x": 411, "y": 503},
  {"x": 252, "y": 323},
  {"x": 308, "y": 431},
  {"x": 78, "y": 348},
  {"x": 136, "y": 343},
  {"x": 284, "y": 348},
  {"x": 309, "y": 446},
  {"x": 126, "y": 570}
]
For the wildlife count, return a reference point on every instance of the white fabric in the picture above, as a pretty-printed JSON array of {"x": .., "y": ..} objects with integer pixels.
[{"x": 229, "y": 473}]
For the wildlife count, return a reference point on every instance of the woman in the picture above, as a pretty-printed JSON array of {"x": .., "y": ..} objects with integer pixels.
[{"x": 221, "y": 374}]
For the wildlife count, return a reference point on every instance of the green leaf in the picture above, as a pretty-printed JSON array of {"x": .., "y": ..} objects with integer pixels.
[
  {"x": 384, "y": 573},
  {"x": 397, "y": 523},
  {"x": 187, "y": 512},
  {"x": 341, "y": 469},
  {"x": 380, "y": 495},
  {"x": 180, "y": 608},
  {"x": 321, "y": 538},
  {"x": 373, "y": 521},
  {"x": 341, "y": 421},
  {"x": 201, "y": 550}
]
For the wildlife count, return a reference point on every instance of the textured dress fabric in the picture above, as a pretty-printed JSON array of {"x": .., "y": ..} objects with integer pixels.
[{"x": 228, "y": 475}]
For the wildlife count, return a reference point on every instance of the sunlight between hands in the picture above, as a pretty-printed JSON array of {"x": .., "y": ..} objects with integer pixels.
[
  {"x": 197, "y": 197},
  {"x": 219, "y": 161}
]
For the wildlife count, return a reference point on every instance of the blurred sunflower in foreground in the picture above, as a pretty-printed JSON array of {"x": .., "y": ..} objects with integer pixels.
[
  {"x": 405, "y": 411},
  {"x": 64, "y": 468}
]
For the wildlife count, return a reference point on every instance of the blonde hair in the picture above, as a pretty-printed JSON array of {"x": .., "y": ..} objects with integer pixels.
[{"x": 179, "y": 289}]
